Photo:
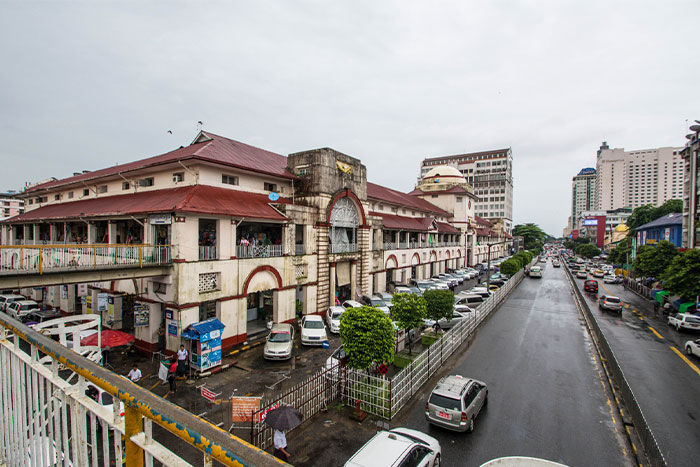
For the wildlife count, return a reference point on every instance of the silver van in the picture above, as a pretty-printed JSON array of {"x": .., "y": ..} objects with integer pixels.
[
  {"x": 472, "y": 300},
  {"x": 455, "y": 402}
]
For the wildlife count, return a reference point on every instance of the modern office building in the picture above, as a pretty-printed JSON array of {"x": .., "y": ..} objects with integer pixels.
[
  {"x": 491, "y": 175},
  {"x": 636, "y": 178},
  {"x": 247, "y": 236},
  {"x": 582, "y": 193}
]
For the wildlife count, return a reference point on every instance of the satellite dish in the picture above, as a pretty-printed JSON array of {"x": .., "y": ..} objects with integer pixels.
[
  {"x": 694, "y": 127},
  {"x": 273, "y": 196}
]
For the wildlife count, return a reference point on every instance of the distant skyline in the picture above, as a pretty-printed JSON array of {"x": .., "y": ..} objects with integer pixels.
[{"x": 86, "y": 85}]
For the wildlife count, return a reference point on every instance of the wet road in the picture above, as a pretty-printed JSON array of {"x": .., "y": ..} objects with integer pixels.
[
  {"x": 666, "y": 386},
  {"x": 546, "y": 396}
]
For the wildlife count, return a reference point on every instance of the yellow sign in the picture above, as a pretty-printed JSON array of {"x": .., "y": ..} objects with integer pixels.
[
  {"x": 88, "y": 302},
  {"x": 343, "y": 167}
]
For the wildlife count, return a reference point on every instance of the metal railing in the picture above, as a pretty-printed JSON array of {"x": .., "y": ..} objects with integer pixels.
[
  {"x": 259, "y": 251},
  {"x": 651, "y": 446},
  {"x": 343, "y": 247},
  {"x": 46, "y": 420},
  {"x": 40, "y": 259},
  {"x": 207, "y": 253}
]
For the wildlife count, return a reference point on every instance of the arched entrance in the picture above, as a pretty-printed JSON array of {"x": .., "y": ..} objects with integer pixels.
[{"x": 261, "y": 292}]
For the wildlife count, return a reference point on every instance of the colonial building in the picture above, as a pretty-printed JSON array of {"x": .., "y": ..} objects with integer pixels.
[{"x": 249, "y": 236}]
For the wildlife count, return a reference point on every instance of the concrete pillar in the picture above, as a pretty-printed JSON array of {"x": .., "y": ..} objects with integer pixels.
[
  {"x": 91, "y": 233},
  {"x": 331, "y": 285},
  {"x": 232, "y": 243},
  {"x": 112, "y": 233},
  {"x": 353, "y": 279}
]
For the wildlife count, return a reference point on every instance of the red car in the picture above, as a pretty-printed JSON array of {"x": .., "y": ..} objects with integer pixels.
[{"x": 590, "y": 286}]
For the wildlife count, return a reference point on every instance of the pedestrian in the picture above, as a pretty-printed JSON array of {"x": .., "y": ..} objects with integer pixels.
[
  {"x": 161, "y": 338},
  {"x": 135, "y": 374},
  {"x": 667, "y": 308},
  {"x": 172, "y": 376},
  {"x": 656, "y": 308},
  {"x": 181, "y": 360},
  {"x": 280, "y": 441}
]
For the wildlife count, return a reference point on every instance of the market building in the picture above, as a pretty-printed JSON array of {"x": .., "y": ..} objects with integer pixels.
[{"x": 248, "y": 237}]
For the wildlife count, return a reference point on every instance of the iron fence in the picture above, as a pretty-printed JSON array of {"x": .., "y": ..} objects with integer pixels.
[
  {"x": 207, "y": 253},
  {"x": 259, "y": 251}
]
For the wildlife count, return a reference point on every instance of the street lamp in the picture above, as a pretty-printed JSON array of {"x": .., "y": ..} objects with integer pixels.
[{"x": 488, "y": 264}]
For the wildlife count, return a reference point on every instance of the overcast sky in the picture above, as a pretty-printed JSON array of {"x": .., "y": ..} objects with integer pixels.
[{"x": 85, "y": 85}]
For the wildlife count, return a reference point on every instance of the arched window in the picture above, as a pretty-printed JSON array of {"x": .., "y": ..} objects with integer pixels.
[{"x": 344, "y": 223}]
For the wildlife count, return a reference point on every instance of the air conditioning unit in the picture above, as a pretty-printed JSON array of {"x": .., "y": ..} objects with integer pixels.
[{"x": 176, "y": 179}]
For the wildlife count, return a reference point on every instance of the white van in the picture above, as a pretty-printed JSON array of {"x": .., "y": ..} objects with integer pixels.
[
  {"x": 472, "y": 300},
  {"x": 536, "y": 271}
]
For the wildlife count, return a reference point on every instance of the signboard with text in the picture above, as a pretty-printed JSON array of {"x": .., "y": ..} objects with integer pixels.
[{"x": 242, "y": 408}]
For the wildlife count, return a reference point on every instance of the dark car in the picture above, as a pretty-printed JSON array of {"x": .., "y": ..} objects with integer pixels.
[
  {"x": 590, "y": 286},
  {"x": 40, "y": 316}
]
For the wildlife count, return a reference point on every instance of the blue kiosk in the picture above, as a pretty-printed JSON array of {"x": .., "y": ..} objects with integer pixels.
[{"x": 205, "y": 343}]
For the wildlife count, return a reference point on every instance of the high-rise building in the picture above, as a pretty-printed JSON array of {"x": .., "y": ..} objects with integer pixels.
[
  {"x": 636, "y": 178},
  {"x": 691, "y": 188},
  {"x": 582, "y": 194},
  {"x": 490, "y": 173}
]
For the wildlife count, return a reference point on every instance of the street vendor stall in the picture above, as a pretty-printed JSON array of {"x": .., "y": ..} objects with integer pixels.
[{"x": 205, "y": 343}]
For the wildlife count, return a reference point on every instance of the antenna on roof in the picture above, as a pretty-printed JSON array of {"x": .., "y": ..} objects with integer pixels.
[
  {"x": 199, "y": 125},
  {"x": 170, "y": 132}
]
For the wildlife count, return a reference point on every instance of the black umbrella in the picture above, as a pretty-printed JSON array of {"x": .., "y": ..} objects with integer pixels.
[{"x": 284, "y": 418}]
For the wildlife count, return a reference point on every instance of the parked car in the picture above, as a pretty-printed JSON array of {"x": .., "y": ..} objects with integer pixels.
[
  {"x": 280, "y": 342},
  {"x": 493, "y": 287},
  {"x": 103, "y": 398},
  {"x": 455, "y": 402},
  {"x": 684, "y": 321},
  {"x": 333, "y": 318},
  {"x": 440, "y": 285},
  {"x": 7, "y": 299},
  {"x": 590, "y": 286},
  {"x": 609, "y": 302},
  {"x": 459, "y": 313},
  {"x": 20, "y": 308},
  {"x": 376, "y": 302},
  {"x": 451, "y": 282},
  {"x": 472, "y": 300},
  {"x": 693, "y": 347},
  {"x": 483, "y": 291},
  {"x": 581, "y": 274},
  {"x": 386, "y": 296},
  {"x": 403, "y": 289},
  {"x": 392, "y": 286},
  {"x": 313, "y": 331},
  {"x": 398, "y": 447},
  {"x": 40, "y": 316},
  {"x": 351, "y": 304}
]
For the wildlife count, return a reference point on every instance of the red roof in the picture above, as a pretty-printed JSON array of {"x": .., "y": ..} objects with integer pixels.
[
  {"x": 402, "y": 199},
  {"x": 202, "y": 199},
  {"x": 454, "y": 189},
  {"x": 485, "y": 232},
  {"x": 391, "y": 221},
  {"x": 444, "y": 227},
  {"x": 507, "y": 235},
  {"x": 207, "y": 147},
  {"x": 482, "y": 221}
]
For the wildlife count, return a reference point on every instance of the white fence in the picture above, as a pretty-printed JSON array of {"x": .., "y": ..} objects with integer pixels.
[{"x": 385, "y": 397}]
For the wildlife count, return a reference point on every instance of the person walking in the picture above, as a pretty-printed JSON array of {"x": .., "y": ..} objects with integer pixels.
[
  {"x": 280, "y": 441},
  {"x": 656, "y": 309},
  {"x": 135, "y": 374},
  {"x": 181, "y": 360},
  {"x": 172, "y": 376}
]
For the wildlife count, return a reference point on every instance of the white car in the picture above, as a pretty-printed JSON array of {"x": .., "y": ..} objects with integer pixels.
[
  {"x": 21, "y": 308},
  {"x": 386, "y": 296},
  {"x": 279, "y": 342},
  {"x": 440, "y": 285},
  {"x": 351, "y": 304},
  {"x": 313, "y": 331},
  {"x": 684, "y": 321},
  {"x": 398, "y": 447},
  {"x": 609, "y": 279},
  {"x": 459, "y": 313},
  {"x": 7, "y": 299},
  {"x": 693, "y": 348},
  {"x": 103, "y": 398},
  {"x": 333, "y": 318}
]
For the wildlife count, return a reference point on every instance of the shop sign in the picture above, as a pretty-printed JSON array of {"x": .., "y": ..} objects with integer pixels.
[
  {"x": 142, "y": 313},
  {"x": 159, "y": 219},
  {"x": 172, "y": 328}
]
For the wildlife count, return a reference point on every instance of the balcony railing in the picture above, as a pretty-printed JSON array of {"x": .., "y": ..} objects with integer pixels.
[
  {"x": 343, "y": 247},
  {"x": 259, "y": 251},
  {"x": 40, "y": 259},
  {"x": 207, "y": 253},
  {"x": 299, "y": 250}
]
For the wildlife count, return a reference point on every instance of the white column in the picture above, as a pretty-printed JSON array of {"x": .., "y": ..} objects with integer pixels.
[
  {"x": 353, "y": 279},
  {"x": 331, "y": 285}
]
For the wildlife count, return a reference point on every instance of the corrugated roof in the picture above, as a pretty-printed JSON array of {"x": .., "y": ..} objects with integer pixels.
[
  {"x": 674, "y": 218},
  {"x": 195, "y": 330},
  {"x": 402, "y": 199},
  {"x": 446, "y": 228},
  {"x": 208, "y": 147},
  {"x": 196, "y": 199},
  {"x": 391, "y": 221},
  {"x": 482, "y": 221}
]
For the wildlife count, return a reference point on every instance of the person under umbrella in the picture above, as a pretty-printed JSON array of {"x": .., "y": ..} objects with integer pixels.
[{"x": 281, "y": 420}]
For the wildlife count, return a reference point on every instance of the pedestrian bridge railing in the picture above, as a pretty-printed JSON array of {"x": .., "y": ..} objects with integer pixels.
[
  {"x": 41, "y": 259},
  {"x": 45, "y": 420}
]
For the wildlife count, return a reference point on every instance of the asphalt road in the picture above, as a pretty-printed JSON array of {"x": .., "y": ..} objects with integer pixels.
[
  {"x": 546, "y": 396},
  {"x": 665, "y": 385}
]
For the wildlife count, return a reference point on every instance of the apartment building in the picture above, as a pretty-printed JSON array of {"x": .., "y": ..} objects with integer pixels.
[
  {"x": 636, "y": 178},
  {"x": 691, "y": 188},
  {"x": 251, "y": 235},
  {"x": 490, "y": 173},
  {"x": 10, "y": 204},
  {"x": 582, "y": 193}
]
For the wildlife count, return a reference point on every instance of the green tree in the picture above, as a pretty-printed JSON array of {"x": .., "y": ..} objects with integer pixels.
[
  {"x": 649, "y": 212},
  {"x": 621, "y": 252},
  {"x": 652, "y": 261},
  {"x": 533, "y": 236},
  {"x": 587, "y": 249},
  {"x": 682, "y": 277},
  {"x": 525, "y": 257},
  {"x": 368, "y": 337},
  {"x": 510, "y": 266},
  {"x": 440, "y": 304},
  {"x": 408, "y": 312}
]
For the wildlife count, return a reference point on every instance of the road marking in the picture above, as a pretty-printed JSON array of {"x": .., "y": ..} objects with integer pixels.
[
  {"x": 153, "y": 387},
  {"x": 656, "y": 332},
  {"x": 627, "y": 305},
  {"x": 685, "y": 359}
]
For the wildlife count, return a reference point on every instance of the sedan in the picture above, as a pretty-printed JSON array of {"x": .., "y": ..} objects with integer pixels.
[
  {"x": 279, "y": 342},
  {"x": 609, "y": 279},
  {"x": 333, "y": 318},
  {"x": 313, "y": 331},
  {"x": 400, "y": 446},
  {"x": 684, "y": 321},
  {"x": 693, "y": 348},
  {"x": 457, "y": 316},
  {"x": 608, "y": 302},
  {"x": 581, "y": 274}
]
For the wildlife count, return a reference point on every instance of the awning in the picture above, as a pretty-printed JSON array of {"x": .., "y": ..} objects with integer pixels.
[{"x": 196, "y": 331}]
